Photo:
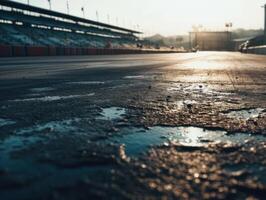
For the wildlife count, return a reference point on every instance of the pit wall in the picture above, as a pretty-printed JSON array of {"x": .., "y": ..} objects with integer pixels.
[
  {"x": 261, "y": 50},
  {"x": 18, "y": 51}
]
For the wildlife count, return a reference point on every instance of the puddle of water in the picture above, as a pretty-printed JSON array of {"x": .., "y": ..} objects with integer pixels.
[
  {"x": 198, "y": 88},
  {"x": 54, "y": 98},
  {"x": 17, "y": 142},
  {"x": 87, "y": 83},
  {"x": 112, "y": 113},
  {"x": 6, "y": 122},
  {"x": 64, "y": 126},
  {"x": 23, "y": 138},
  {"x": 44, "y": 89},
  {"x": 26, "y": 168},
  {"x": 245, "y": 114},
  {"x": 140, "y": 140}
]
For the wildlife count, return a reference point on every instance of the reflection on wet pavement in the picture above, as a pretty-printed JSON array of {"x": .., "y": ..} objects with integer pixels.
[
  {"x": 185, "y": 104},
  {"x": 135, "y": 77},
  {"x": 140, "y": 140},
  {"x": 112, "y": 113},
  {"x": 6, "y": 122},
  {"x": 141, "y": 77},
  {"x": 87, "y": 83},
  {"x": 180, "y": 130},
  {"x": 245, "y": 113},
  {"x": 64, "y": 126},
  {"x": 43, "y": 89},
  {"x": 30, "y": 171},
  {"x": 14, "y": 143},
  {"x": 53, "y": 98}
]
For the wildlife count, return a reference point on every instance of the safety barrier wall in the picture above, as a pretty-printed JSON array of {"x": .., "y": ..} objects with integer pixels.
[
  {"x": 37, "y": 51},
  {"x": 261, "y": 50},
  {"x": 18, "y": 51},
  {"x": 92, "y": 52},
  {"x": 52, "y": 51},
  {"x": 5, "y": 51},
  {"x": 66, "y": 51},
  {"x": 9, "y": 51}
]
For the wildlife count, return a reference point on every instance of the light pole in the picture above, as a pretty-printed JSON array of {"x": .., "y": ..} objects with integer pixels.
[
  {"x": 97, "y": 16},
  {"x": 50, "y": 5},
  {"x": 67, "y": 7},
  {"x": 265, "y": 24},
  {"x": 83, "y": 8},
  {"x": 83, "y": 11}
]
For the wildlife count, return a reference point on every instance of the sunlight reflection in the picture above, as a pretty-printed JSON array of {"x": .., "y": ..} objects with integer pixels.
[{"x": 192, "y": 135}]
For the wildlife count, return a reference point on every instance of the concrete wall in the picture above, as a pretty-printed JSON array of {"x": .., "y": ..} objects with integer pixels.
[
  {"x": 261, "y": 50},
  {"x": 15, "y": 51}
]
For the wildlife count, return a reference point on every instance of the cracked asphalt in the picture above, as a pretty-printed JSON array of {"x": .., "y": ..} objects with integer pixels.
[{"x": 156, "y": 126}]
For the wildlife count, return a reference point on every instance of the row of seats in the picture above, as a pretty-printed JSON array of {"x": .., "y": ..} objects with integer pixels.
[{"x": 21, "y": 35}]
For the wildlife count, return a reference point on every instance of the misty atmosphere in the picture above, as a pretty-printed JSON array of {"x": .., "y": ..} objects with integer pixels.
[
  {"x": 132, "y": 100},
  {"x": 183, "y": 40}
]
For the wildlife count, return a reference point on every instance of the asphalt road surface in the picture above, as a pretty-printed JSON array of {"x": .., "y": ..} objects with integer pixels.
[{"x": 157, "y": 126}]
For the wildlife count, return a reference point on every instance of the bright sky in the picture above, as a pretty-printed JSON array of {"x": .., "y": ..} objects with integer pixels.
[{"x": 166, "y": 17}]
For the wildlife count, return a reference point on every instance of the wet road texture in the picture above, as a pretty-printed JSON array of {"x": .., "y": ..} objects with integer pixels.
[{"x": 164, "y": 126}]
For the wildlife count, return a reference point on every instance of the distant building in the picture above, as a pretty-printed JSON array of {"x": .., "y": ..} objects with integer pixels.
[{"x": 211, "y": 41}]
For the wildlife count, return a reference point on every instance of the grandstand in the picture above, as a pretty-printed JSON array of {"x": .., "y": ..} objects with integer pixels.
[{"x": 31, "y": 31}]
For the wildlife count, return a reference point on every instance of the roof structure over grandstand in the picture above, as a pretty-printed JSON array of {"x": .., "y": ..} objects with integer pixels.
[{"x": 19, "y": 8}]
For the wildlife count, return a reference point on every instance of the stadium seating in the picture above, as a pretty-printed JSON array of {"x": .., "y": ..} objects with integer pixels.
[
  {"x": 32, "y": 31},
  {"x": 22, "y": 25},
  {"x": 20, "y": 35}
]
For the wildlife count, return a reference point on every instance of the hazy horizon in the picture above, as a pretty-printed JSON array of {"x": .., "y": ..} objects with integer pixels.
[{"x": 168, "y": 17}]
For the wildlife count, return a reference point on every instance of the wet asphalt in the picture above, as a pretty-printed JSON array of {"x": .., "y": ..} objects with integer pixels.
[{"x": 156, "y": 126}]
